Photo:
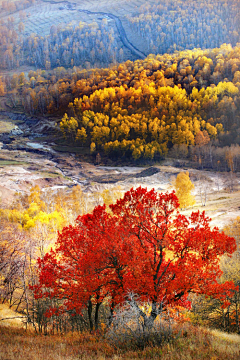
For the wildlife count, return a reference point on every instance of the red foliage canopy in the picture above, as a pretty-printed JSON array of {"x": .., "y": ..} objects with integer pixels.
[{"x": 145, "y": 246}]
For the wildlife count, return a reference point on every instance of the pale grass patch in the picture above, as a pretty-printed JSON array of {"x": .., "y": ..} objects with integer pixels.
[
  {"x": 229, "y": 344},
  {"x": 6, "y": 127},
  {"x": 10, "y": 316},
  {"x": 234, "y": 338}
]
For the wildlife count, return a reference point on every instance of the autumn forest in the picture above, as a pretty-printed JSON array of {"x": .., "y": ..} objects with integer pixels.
[{"x": 119, "y": 140}]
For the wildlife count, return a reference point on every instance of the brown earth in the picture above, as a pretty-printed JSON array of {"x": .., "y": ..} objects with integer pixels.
[{"x": 26, "y": 161}]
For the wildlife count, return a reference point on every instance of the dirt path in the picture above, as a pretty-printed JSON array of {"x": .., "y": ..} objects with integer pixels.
[
  {"x": 121, "y": 32},
  {"x": 118, "y": 22}
]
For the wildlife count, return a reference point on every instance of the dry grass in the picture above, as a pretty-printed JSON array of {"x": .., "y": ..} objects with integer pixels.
[
  {"x": 194, "y": 344},
  {"x": 6, "y": 127},
  {"x": 6, "y": 124},
  {"x": 12, "y": 319}
]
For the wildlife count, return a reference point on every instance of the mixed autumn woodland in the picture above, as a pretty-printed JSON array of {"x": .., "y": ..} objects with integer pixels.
[{"x": 132, "y": 268}]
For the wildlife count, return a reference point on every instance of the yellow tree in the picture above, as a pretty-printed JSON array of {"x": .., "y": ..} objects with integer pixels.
[
  {"x": 110, "y": 196},
  {"x": 184, "y": 187},
  {"x": 69, "y": 127},
  {"x": 81, "y": 135},
  {"x": 2, "y": 87}
]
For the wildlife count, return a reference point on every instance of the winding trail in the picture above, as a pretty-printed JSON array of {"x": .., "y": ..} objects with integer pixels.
[
  {"x": 121, "y": 32},
  {"x": 118, "y": 22}
]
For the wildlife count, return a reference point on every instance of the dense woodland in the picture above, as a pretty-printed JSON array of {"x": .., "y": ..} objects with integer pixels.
[
  {"x": 65, "y": 46},
  {"x": 178, "y": 25},
  {"x": 165, "y": 104},
  {"x": 164, "y": 27},
  {"x": 75, "y": 44}
]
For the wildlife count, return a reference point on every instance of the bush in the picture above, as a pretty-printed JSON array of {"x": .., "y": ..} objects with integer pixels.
[{"x": 128, "y": 330}]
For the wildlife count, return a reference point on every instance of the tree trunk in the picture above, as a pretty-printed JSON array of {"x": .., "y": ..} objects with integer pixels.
[
  {"x": 97, "y": 315},
  {"x": 89, "y": 308},
  {"x": 110, "y": 319}
]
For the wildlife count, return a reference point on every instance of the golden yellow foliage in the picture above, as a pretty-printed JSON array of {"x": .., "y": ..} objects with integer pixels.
[{"x": 184, "y": 187}]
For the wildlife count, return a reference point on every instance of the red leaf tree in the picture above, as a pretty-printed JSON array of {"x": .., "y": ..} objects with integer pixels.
[{"x": 145, "y": 247}]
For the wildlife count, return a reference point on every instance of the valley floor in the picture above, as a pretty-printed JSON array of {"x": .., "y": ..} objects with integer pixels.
[{"x": 27, "y": 160}]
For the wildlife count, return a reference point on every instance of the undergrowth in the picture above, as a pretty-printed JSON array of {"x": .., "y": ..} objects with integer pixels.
[{"x": 194, "y": 343}]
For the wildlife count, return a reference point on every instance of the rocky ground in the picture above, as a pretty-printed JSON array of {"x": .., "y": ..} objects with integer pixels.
[{"x": 27, "y": 159}]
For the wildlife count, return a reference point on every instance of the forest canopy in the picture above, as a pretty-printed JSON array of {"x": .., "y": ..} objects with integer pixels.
[
  {"x": 142, "y": 109},
  {"x": 172, "y": 102},
  {"x": 161, "y": 27}
]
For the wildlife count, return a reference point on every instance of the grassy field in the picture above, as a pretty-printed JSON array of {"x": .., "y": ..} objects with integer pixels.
[{"x": 196, "y": 343}]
